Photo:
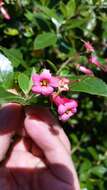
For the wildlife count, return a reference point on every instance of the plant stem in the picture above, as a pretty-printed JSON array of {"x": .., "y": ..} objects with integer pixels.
[{"x": 63, "y": 65}]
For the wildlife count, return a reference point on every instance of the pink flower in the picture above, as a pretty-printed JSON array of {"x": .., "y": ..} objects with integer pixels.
[
  {"x": 57, "y": 99},
  {"x": 44, "y": 83},
  {"x": 63, "y": 84},
  {"x": 66, "y": 107},
  {"x": 89, "y": 47},
  {"x": 84, "y": 70},
  {"x": 94, "y": 60},
  {"x": 4, "y": 11}
]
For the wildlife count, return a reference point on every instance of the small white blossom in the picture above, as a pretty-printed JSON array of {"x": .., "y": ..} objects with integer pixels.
[{"x": 5, "y": 64}]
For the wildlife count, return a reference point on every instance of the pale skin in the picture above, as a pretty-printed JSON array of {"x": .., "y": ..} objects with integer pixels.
[{"x": 40, "y": 157}]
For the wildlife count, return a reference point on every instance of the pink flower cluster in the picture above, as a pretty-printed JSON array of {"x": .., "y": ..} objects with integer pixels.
[
  {"x": 93, "y": 59},
  {"x": 48, "y": 85},
  {"x": 89, "y": 49},
  {"x": 66, "y": 107}
]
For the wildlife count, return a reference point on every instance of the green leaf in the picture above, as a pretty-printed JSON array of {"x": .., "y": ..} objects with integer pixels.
[
  {"x": 90, "y": 85},
  {"x": 85, "y": 166},
  {"x": 93, "y": 152},
  {"x": 30, "y": 81},
  {"x": 99, "y": 171},
  {"x": 75, "y": 23},
  {"x": 74, "y": 138},
  {"x": 23, "y": 81},
  {"x": 11, "y": 31},
  {"x": 70, "y": 8},
  {"x": 44, "y": 40},
  {"x": 63, "y": 8},
  {"x": 84, "y": 170},
  {"x": 48, "y": 12},
  {"x": 86, "y": 185},
  {"x": 29, "y": 15},
  {"x": 14, "y": 55},
  {"x": 6, "y": 97},
  {"x": 6, "y": 80}
]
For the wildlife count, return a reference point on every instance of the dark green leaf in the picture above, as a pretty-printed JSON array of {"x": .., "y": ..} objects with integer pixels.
[
  {"x": 74, "y": 138},
  {"x": 93, "y": 152},
  {"x": 44, "y": 40},
  {"x": 91, "y": 85}
]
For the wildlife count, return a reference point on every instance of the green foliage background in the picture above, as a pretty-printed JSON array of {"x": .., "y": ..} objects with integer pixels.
[{"x": 48, "y": 34}]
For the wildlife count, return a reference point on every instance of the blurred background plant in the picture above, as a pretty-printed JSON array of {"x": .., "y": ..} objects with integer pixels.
[{"x": 49, "y": 34}]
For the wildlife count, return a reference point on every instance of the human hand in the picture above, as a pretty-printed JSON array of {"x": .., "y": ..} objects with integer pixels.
[{"x": 40, "y": 157}]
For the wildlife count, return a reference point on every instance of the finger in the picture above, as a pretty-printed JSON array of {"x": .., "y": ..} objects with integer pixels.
[
  {"x": 62, "y": 136},
  {"x": 10, "y": 118},
  {"x": 40, "y": 131},
  {"x": 5, "y": 141},
  {"x": 20, "y": 157},
  {"x": 26, "y": 144},
  {"x": 58, "y": 158},
  {"x": 53, "y": 123}
]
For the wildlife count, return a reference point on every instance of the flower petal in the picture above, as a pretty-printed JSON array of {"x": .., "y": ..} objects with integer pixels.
[
  {"x": 74, "y": 110},
  {"x": 54, "y": 81},
  {"x": 61, "y": 109},
  {"x": 71, "y": 104},
  {"x": 57, "y": 99},
  {"x": 36, "y": 79},
  {"x": 46, "y": 90},
  {"x": 65, "y": 117},
  {"x": 37, "y": 89},
  {"x": 45, "y": 75}
]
